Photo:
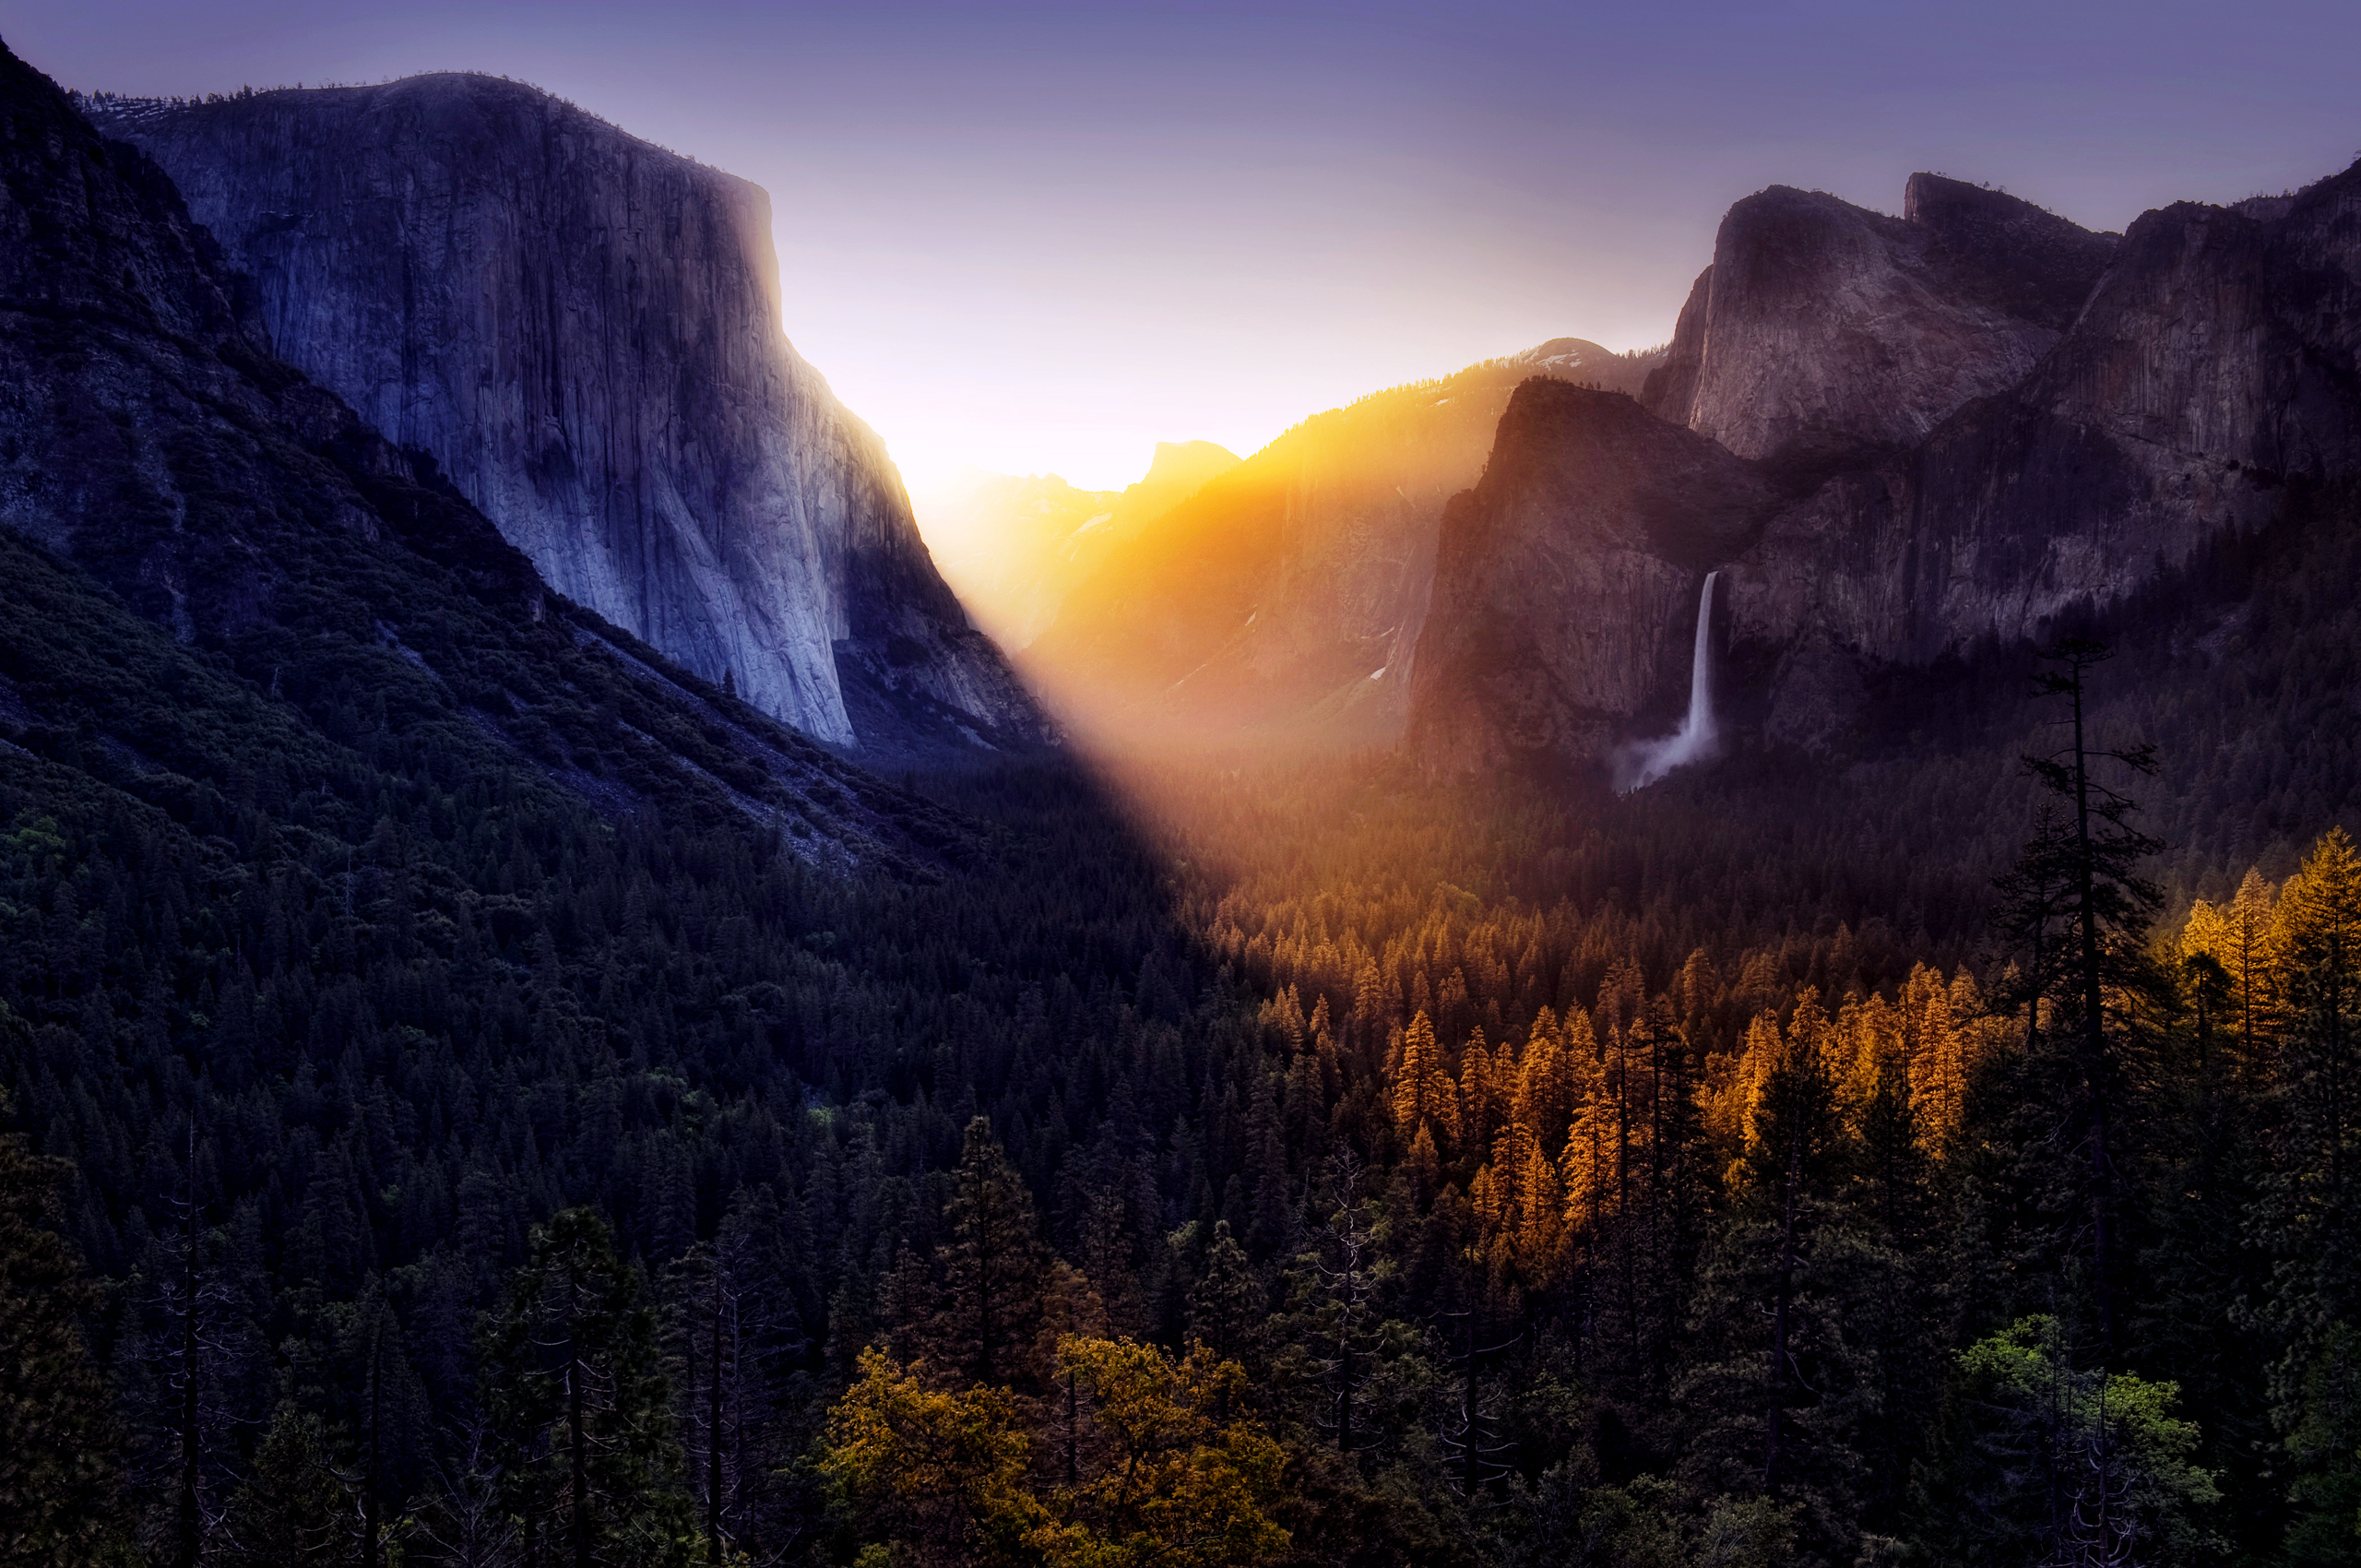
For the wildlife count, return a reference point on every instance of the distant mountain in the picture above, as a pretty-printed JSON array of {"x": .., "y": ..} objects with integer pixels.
[
  {"x": 1919, "y": 440},
  {"x": 1284, "y": 599},
  {"x": 585, "y": 331},
  {"x": 1014, "y": 548},
  {"x": 228, "y": 603}
]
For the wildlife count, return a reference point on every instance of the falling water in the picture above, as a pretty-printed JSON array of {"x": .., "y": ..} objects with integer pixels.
[{"x": 1645, "y": 762}]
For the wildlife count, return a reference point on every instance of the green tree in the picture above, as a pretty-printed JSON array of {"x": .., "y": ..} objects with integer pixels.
[
  {"x": 57, "y": 1432},
  {"x": 2071, "y": 1465},
  {"x": 578, "y": 1406},
  {"x": 293, "y": 1511},
  {"x": 1228, "y": 1308},
  {"x": 2080, "y": 870},
  {"x": 992, "y": 1269},
  {"x": 1338, "y": 1325}
]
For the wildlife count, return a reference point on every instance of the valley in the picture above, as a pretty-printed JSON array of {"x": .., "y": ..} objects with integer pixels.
[{"x": 1731, "y": 953}]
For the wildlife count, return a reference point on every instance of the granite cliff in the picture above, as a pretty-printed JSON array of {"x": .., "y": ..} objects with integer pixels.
[
  {"x": 585, "y": 332},
  {"x": 218, "y": 585},
  {"x": 1283, "y": 600},
  {"x": 1567, "y": 578},
  {"x": 1977, "y": 423},
  {"x": 1823, "y": 330}
]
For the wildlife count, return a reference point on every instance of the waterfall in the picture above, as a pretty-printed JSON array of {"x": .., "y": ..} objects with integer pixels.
[{"x": 1644, "y": 762}]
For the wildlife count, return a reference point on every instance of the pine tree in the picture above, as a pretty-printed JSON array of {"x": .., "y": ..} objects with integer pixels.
[
  {"x": 1795, "y": 1123},
  {"x": 1424, "y": 1095},
  {"x": 1228, "y": 1308},
  {"x": 2082, "y": 873},
  {"x": 292, "y": 1511},
  {"x": 57, "y": 1432},
  {"x": 2308, "y": 1210},
  {"x": 579, "y": 1409},
  {"x": 383, "y": 1406},
  {"x": 1344, "y": 1265},
  {"x": 993, "y": 1270}
]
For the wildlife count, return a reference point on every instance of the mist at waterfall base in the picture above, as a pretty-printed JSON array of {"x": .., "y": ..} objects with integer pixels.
[{"x": 1642, "y": 763}]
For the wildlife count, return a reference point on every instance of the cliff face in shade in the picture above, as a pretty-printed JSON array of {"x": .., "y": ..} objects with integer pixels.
[
  {"x": 585, "y": 332},
  {"x": 284, "y": 602},
  {"x": 2212, "y": 363},
  {"x": 1566, "y": 578},
  {"x": 1975, "y": 423},
  {"x": 1822, "y": 328},
  {"x": 1283, "y": 601}
]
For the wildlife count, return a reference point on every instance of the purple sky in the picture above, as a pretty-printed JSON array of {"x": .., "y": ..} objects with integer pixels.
[{"x": 1043, "y": 237}]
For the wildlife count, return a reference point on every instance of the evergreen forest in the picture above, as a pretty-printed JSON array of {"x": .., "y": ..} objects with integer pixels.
[{"x": 1189, "y": 1160}]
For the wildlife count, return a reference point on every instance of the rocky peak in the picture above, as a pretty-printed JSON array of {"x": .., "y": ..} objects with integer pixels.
[
  {"x": 1284, "y": 599},
  {"x": 1584, "y": 362},
  {"x": 585, "y": 331},
  {"x": 1566, "y": 577},
  {"x": 1975, "y": 424},
  {"x": 2006, "y": 253},
  {"x": 1824, "y": 331},
  {"x": 1181, "y": 466},
  {"x": 242, "y": 579}
]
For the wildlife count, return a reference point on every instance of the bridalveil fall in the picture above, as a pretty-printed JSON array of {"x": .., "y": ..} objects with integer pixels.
[{"x": 1644, "y": 761}]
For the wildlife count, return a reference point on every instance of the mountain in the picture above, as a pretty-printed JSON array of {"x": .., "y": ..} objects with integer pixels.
[
  {"x": 225, "y": 593},
  {"x": 1565, "y": 581},
  {"x": 1284, "y": 597},
  {"x": 585, "y": 332},
  {"x": 1824, "y": 329},
  {"x": 1980, "y": 425},
  {"x": 1014, "y": 548}
]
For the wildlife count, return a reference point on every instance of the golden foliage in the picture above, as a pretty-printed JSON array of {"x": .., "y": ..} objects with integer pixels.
[
  {"x": 942, "y": 1472},
  {"x": 1179, "y": 1479},
  {"x": 1423, "y": 1092},
  {"x": 1168, "y": 1474}
]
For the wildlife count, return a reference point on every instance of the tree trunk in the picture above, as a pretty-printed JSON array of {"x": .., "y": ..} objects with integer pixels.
[
  {"x": 369, "y": 1522},
  {"x": 578, "y": 1440},
  {"x": 189, "y": 1523},
  {"x": 2094, "y": 1021},
  {"x": 713, "y": 1428},
  {"x": 1773, "y": 1420}
]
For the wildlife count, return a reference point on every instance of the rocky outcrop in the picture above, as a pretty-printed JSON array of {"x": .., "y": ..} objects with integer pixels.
[
  {"x": 2212, "y": 363},
  {"x": 324, "y": 587},
  {"x": 1823, "y": 329},
  {"x": 585, "y": 332},
  {"x": 1978, "y": 421},
  {"x": 1568, "y": 574},
  {"x": 1283, "y": 601}
]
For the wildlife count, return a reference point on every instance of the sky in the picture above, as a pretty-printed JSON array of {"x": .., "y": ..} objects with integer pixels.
[{"x": 1041, "y": 238}]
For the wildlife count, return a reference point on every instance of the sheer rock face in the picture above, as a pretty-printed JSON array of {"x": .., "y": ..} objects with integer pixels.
[
  {"x": 1978, "y": 419},
  {"x": 2212, "y": 363},
  {"x": 152, "y": 443},
  {"x": 1824, "y": 328},
  {"x": 584, "y": 332},
  {"x": 1568, "y": 579}
]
